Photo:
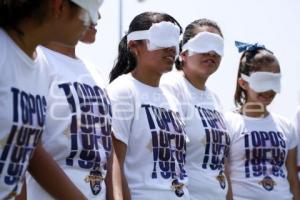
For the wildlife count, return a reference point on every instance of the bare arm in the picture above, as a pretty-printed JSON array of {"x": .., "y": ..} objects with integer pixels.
[
  {"x": 119, "y": 185},
  {"x": 229, "y": 195},
  {"x": 108, "y": 178},
  {"x": 23, "y": 194},
  {"x": 291, "y": 165},
  {"x": 51, "y": 177}
]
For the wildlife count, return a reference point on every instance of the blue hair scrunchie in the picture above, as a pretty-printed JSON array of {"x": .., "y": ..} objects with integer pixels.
[{"x": 242, "y": 47}]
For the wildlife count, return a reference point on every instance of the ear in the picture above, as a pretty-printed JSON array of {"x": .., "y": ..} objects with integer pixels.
[
  {"x": 132, "y": 46},
  {"x": 57, "y": 7},
  {"x": 242, "y": 83},
  {"x": 183, "y": 56}
]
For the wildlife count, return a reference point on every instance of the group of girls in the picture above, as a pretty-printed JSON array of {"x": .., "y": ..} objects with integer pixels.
[
  {"x": 152, "y": 133},
  {"x": 171, "y": 137}
]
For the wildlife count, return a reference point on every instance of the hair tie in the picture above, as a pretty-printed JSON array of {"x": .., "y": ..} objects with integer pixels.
[{"x": 242, "y": 47}]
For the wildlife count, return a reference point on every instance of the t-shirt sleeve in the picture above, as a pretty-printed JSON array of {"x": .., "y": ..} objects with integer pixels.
[
  {"x": 167, "y": 83},
  {"x": 230, "y": 121},
  {"x": 296, "y": 122},
  {"x": 2, "y": 51},
  {"x": 122, "y": 103},
  {"x": 293, "y": 139}
]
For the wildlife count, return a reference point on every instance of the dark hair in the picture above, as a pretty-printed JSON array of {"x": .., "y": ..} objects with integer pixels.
[
  {"x": 126, "y": 61},
  {"x": 251, "y": 61},
  {"x": 12, "y": 12},
  {"x": 189, "y": 33}
]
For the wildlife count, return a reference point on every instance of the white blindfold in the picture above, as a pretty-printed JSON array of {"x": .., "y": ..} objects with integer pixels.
[
  {"x": 205, "y": 42},
  {"x": 159, "y": 36},
  {"x": 263, "y": 81}
]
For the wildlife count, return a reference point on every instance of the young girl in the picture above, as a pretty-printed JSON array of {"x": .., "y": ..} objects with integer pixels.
[
  {"x": 209, "y": 140},
  {"x": 25, "y": 78},
  {"x": 149, "y": 138},
  {"x": 78, "y": 123},
  {"x": 263, "y": 145}
]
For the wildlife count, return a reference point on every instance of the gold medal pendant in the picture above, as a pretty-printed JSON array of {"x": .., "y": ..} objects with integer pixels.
[{"x": 268, "y": 183}]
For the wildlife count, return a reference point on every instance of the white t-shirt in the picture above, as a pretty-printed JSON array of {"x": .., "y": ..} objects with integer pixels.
[
  {"x": 258, "y": 152},
  {"x": 208, "y": 134},
  {"x": 24, "y": 84},
  {"x": 297, "y": 128},
  {"x": 147, "y": 120},
  {"x": 78, "y": 126}
]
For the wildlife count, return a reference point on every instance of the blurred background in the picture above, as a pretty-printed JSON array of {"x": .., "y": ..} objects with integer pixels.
[{"x": 274, "y": 23}]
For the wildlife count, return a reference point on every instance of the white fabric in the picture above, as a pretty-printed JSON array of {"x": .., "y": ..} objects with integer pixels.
[
  {"x": 147, "y": 120},
  {"x": 78, "y": 125},
  {"x": 160, "y": 35},
  {"x": 297, "y": 128},
  {"x": 205, "y": 42},
  {"x": 24, "y": 84},
  {"x": 263, "y": 81},
  {"x": 258, "y": 152},
  {"x": 208, "y": 134},
  {"x": 91, "y": 6}
]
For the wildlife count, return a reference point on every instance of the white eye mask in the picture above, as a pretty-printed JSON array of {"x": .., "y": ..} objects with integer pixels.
[
  {"x": 205, "y": 42},
  {"x": 160, "y": 35},
  {"x": 263, "y": 81},
  {"x": 91, "y": 7},
  {"x": 85, "y": 17}
]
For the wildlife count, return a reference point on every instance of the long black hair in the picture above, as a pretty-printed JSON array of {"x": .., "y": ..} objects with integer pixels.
[
  {"x": 190, "y": 32},
  {"x": 126, "y": 61}
]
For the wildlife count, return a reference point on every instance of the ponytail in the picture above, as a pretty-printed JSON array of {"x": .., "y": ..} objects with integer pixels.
[
  {"x": 178, "y": 61},
  {"x": 125, "y": 62}
]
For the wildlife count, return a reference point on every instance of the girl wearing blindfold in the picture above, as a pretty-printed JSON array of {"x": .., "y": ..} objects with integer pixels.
[
  {"x": 24, "y": 85},
  {"x": 78, "y": 124},
  {"x": 148, "y": 134},
  {"x": 200, "y": 57},
  {"x": 263, "y": 144}
]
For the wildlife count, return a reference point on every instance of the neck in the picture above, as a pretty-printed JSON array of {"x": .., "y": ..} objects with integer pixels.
[
  {"x": 61, "y": 48},
  {"x": 254, "y": 110},
  {"x": 196, "y": 81},
  {"x": 30, "y": 36},
  {"x": 147, "y": 77}
]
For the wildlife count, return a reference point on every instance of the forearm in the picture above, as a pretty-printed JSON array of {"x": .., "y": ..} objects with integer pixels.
[
  {"x": 23, "y": 194},
  {"x": 291, "y": 166},
  {"x": 229, "y": 195},
  {"x": 126, "y": 191},
  {"x": 120, "y": 189},
  {"x": 51, "y": 177}
]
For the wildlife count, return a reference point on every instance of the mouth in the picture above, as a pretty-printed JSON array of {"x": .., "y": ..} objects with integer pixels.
[
  {"x": 267, "y": 96},
  {"x": 209, "y": 61},
  {"x": 93, "y": 28}
]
